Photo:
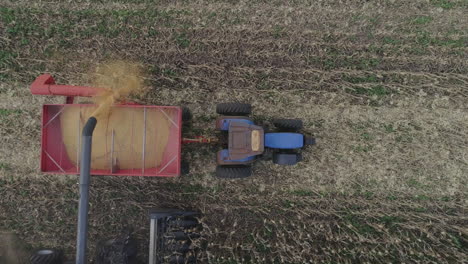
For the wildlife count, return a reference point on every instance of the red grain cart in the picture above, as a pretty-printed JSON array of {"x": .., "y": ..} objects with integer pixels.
[{"x": 136, "y": 140}]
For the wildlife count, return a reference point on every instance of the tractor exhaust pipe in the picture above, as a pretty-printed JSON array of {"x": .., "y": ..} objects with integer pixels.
[{"x": 83, "y": 206}]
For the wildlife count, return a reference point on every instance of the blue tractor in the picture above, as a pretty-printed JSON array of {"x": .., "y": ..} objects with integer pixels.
[{"x": 247, "y": 141}]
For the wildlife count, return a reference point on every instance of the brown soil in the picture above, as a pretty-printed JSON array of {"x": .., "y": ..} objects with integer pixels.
[{"x": 381, "y": 84}]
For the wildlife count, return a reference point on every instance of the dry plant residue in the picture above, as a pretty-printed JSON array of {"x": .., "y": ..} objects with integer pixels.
[
  {"x": 120, "y": 132},
  {"x": 121, "y": 80}
]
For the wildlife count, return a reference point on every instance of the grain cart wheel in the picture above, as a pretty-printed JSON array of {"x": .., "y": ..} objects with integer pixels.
[
  {"x": 234, "y": 109},
  {"x": 184, "y": 167},
  {"x": 186, "y": 114},
  {"x": 286, "y": 158},
  {"x": 292, "y": 125},
  {"x": 47, "y": 256},
  {"x": 234, "y": 172},
  {"x": 186, "y": 120}
]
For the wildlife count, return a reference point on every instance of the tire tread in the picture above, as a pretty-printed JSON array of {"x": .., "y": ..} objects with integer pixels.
[
  {"x": 233, "y": 172},
  {"x": 233, "y": 109}
]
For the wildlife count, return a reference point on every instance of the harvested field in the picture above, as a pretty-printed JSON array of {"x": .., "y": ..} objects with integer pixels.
[{"x": 382, "y": 85}]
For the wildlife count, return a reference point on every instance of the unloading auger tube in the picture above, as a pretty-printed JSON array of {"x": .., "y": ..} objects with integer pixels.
[{"x": 83, "y": 206}]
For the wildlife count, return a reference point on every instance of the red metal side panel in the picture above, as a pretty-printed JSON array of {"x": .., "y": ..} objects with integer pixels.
[{"x": 54, "y": 157}]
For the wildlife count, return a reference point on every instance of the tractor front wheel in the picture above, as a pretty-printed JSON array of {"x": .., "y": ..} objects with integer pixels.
[
  {"x": 287, "y": 158},
  {"x": 234, "y": 172}
]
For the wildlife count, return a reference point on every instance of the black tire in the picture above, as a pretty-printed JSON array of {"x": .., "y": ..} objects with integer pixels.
[
  {"x": 184, "y": 168},
  {"x": 234, "y": 109},
  {"x": 309, "y": 140},
  {"x": 47, "y": 256},
  {"x": 286, "y": 158},
  {"x": 299, "y": 157},
  {"x": 288, "y": 124},
  {"x": 233, "y": 172},
  {"x": 186, "y": 120},
  {"x": 186, "y": 114}
]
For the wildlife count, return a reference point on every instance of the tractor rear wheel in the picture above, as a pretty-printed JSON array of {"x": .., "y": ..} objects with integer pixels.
[
  {"x": 293, "y": 125},
  {"x": 47, "y": 256},
  {"x": 234, "y": 109},
  {"x": 234, "y": 172}
]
